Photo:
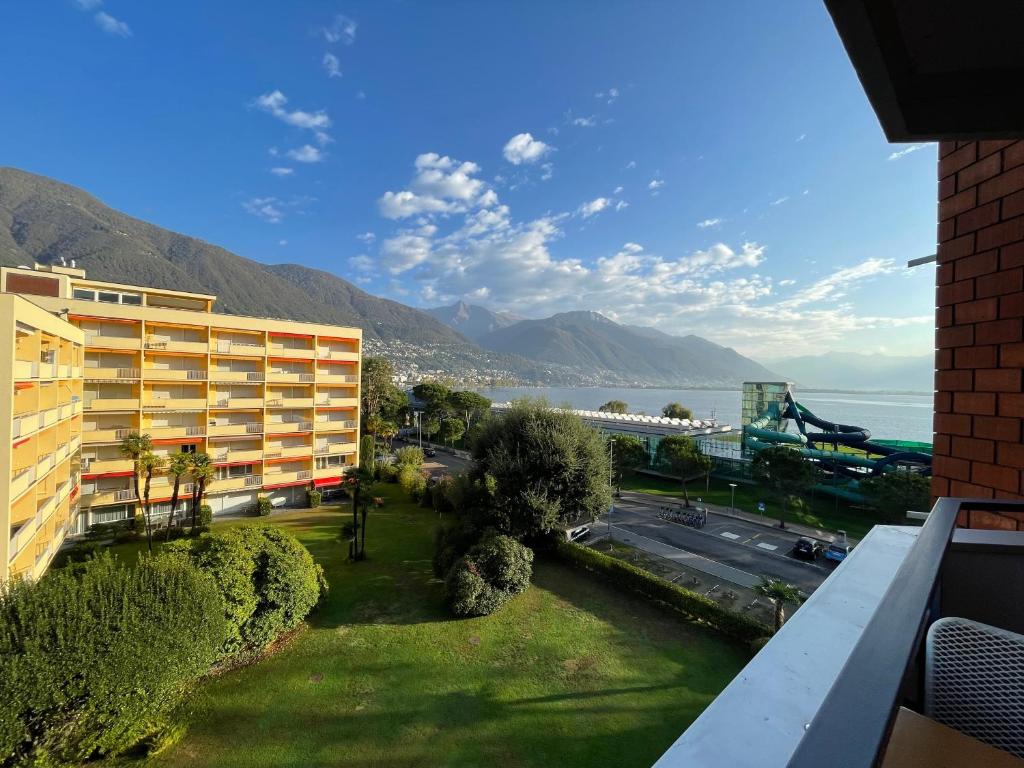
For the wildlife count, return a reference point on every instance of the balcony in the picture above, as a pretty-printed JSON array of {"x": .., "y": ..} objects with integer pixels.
[
  {"x": 21, "y": 538},
  {"x": 164, "y": 344},
  {"x": 295, "y": 353},
  {"x": 249, "y": 376},
  {"x": 103, "y": 497},
  {"x": 337, "y": 378},
  {"x": 167, "y": 374},
  {"x": 243, "y": 428},
  {"x": 160, "y": 433},
  {"x": 112, "y": 404},
  {"x": 236, "y": 402},
  {"x": 289, "y": 402},
  {"x": 290, "y": 452},
  {"x": 337, "y": 354},
  {"x": 336, "y": 448},
  {"x": 106, "y": 374},
  {"x": 222, "y": 347},
  {"x": 336, "y": 425},
  {"x": 283, "y": 377},
  {"x": 177, "y": 404},
  {"x": 26, "y": 369},
  {"x": 283, "y": 478},
  {"x": 103, "y": 466},
  {"x": 280, "y": 428},
  {"x": 228, "y": 455},
  {"x": 320, "y": 474},
  {"x": 844, "y": 681},
  {"x": 253, "y": 482},
  {"x": 112, "y": 342},
  {"x": 111, "y": 435}
]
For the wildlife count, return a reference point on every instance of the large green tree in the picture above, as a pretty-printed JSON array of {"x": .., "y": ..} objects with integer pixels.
[
  {"x": 628, "y": 453},
  {"x": 779, "y": 593},
  {"x": 537, "y": 468},
  {"x": 434, "y": 395},
  {"x": 376, "y": 382},
  {"x": 614, "y": 406},
  {"x": 682, "y": 457},
  {"x": 452, "y": 430},
  {"x": 177, "y": 467},
  {"x": 784, "y": 473},
  {"x": 469, "y": 406},
  {"x": 676, "y": 411},
  {"x": 202, "y": 471},
  {"x": 896, "y": 493}
]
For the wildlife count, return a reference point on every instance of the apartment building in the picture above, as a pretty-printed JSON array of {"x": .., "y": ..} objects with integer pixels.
[
  {"x": 273, "y": 402},
  {"x": 41, "y": 361}
]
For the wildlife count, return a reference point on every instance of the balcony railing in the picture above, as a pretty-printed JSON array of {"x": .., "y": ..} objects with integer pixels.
[{"x": 828, "y": 687}]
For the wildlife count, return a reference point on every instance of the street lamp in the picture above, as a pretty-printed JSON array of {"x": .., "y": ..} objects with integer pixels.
[{"x": 732, "y": 498}]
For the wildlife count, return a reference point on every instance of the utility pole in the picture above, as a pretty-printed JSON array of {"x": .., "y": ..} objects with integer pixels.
[{"x": 611, "y": 487}]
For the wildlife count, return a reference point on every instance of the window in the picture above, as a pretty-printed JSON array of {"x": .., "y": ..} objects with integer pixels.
[
  {"x": 109, "y": 297},
  {"x": 240, "y": 470},
  {"x": 131, "y": 298},
  {"x": 81, "y": 293}
]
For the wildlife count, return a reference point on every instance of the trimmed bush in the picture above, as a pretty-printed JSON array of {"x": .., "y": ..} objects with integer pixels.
[
  {"x": 267, "y": 579},
  {"x": 480, "y": 582},
  {"x": 409, "y": 456},
  {"x": 689, "y": 603},
  {"x": 94, "y": 656},
  {"x": 386, "y": 473},
  {"x": 412, "y": 481},
  {"x": 263, "y": 506},
  {"x": 313, "y": 499},
  {"x": 205, "y": 516}
]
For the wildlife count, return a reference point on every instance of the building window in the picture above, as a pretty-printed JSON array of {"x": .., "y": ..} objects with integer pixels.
[
  {"x": 81, "y": 293},
  {"x": 131, "y": 298},
  {"x": 109, "y": 297}
]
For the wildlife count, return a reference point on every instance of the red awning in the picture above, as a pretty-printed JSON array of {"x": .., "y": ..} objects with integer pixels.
[
  {"x": 285, "y": 485},
  {"x": 236, "y": 463},
  {"x": 335, "y": 362},
  {"x": 94, "y": 475},
  {"x": 178, "y": 441},
  {"x": 21, "y": 442},
  {"x": 283, "y": 459},
  {"x": 74, "y": 493},
  {"x": 104, "y": 319},
  {"x": 24, "y": 385},
  {"x": 327, "y": 481},
  {"x": 284, "y": 335},
  {"x": 336, "y": 338},
  {"x": 335, "y": 408},
  {"x": 289, "y": 360}
]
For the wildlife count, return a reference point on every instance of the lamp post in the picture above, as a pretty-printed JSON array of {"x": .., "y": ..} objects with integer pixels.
[
  {"x": 732, "y": 498},
  {"x": 419, "y": 428},
  {"x": 611, "y": 487}
]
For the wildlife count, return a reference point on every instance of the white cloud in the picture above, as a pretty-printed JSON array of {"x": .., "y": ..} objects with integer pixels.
[
  {"x": 906, "y": 151},
  {"x": 786, "y": 283},
  {"x": 402, "y": 253},
  {"x": 617, "y": 190},
  {"x": 523, "y": 148},
  {"x": 401, "y": 205},
  {"x": 610, "y": 95},
  {"x": 307, "y": 153},
  {"x": 266, "y": 208},
  {"x": 593, "y": 207},
  {"x": 282, "y": 171},
  {"x": 332, "y": 65},
  {"x": 341, "y": 29},
  {"x": 801, "y": 137},
  {"x": 709, "y": 223},
  {"x": 620, "y": 205},
  {"x": 547, "y": 171},
  {"x": 631, "y": 164},
  {"x": 779, "y": 200},
  {"x": 88, "y": 5},
  {"x": 274, "y": 104},
  {"x": 441, "y": 185},
  {"x": 282, "y": 243},
  {"x": 112, "y": 26},
  {"x": 361, "y": 263},
  {"x": 836, "y": 285},
  {"x": 367, "y": 237},
  {"x": 585, "y": 122},
  {"x": 655, "y": 185}
]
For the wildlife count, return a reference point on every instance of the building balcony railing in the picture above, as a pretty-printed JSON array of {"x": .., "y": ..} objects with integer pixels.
[
  {"x": 106, "y": 374},
  {"x": 278, "y": 478},
  {"x": 279, "y": 427},
  {"x": 223, "y": 347},
  {"x": 236, "y": 483},
  {"x": 247, "y": 376},
  {"x": 112, "y": 342},
  {"x": 26, "y": 369},
  {"x": 337, "y": 378},
  {"x": 236, "y": 402},
  {"x": 319, "y": 474},
  {"x": 299, "y": 354},
  {"x": 112, "y": 435},
  {"x": 177, "y": 403},
  {"x": 289, "y": 402},
  {"x": 242, "y": 428},
  {"x": 286, "y": 452},
  {"x": 336, "y": 448},
  {"x": 335, "y": 425},
  {"x": 164, "y": 344},
  {"x": 849, "y": 665},
  {"x": 229, "y": 455},
  {"x": 337, "y": 354},
  {"x": 112, "y": 404},
  {"x": 192, "y": 430},
  {"x": 105, "y": 496},
  {"x": 168, "y": 374},
  {"x": 102, "y": 466},
  {"x": 287, "y": 377}
]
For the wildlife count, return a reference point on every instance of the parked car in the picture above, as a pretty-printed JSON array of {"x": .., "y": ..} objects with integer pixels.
[
  {"x": 577, "y": 534},
  {"x": 837, "y": 550},
  {"x": 429, "y": 453},
  {"x": 807, "y": 548}
]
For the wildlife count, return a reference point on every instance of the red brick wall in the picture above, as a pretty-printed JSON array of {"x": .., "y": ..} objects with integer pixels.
[{"x": 979, "y": 318}]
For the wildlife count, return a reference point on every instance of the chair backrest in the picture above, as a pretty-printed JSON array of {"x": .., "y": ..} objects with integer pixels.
[{"x": 974, "y": 681}]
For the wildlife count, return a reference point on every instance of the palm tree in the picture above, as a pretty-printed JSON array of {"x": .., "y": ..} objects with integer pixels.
[
  {"x": 202, "y": 471},
  {"x": 148, "y": 464},
  {"x": 780, "y": 593},
  {"x": 176, "y": 468},
  {"x": 361, "y": 482},
  {"x": 132, "y": 447}
]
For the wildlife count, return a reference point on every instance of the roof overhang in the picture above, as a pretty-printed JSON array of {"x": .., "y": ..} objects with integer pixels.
[{"x": 938, "y": 70}]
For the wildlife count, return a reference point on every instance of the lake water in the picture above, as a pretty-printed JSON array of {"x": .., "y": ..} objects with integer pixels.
[{"x": 889, "y": 417}]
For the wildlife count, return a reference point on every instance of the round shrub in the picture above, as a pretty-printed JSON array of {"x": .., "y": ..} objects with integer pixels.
[
  {"x": 313, "y": 499},
  {"x": 267, "y": 579},
  {"x": 263, "y": 506},
  {"x": 412, "y": 481},
  {"x": 205, "y": 516},
  {"x": 94, "y": 656},
  {"x": 493, "y": 571}
]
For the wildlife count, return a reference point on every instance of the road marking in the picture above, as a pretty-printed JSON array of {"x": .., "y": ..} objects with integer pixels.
[
  {"x": 766, "y": 545},
  {"x": 729, "y": 535}
]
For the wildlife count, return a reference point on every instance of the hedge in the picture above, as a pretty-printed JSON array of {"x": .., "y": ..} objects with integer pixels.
[
  {"x": 691, "y": 604},
  {"x": 93, "y": 656}
]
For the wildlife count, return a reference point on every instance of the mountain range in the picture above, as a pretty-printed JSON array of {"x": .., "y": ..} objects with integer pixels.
[
  {"x": 43, "y": 220},
  {"x": 847, "y": 370}
]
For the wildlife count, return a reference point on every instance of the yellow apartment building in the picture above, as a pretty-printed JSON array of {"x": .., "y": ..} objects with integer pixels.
[
  {"x": 273, "y": 402},
  {"x": 41, "y": 363}
]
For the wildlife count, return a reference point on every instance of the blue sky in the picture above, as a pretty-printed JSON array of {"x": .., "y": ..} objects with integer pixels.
[{"x": 702, "y": 167}]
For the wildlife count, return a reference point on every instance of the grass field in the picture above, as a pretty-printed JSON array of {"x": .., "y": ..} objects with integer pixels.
[
  {"x": 824, "y": 512},
  {"x": 570, "y": 673}
]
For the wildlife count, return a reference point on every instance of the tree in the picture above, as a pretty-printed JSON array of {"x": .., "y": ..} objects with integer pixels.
[
  {"x": 676, "y": 411},
  {"x": 148, "y": 465},
  {"x": 779, "y": 593},
  {"x": 628, "y": 453},
  {"x": 367, "y": 449},
  {"x": 360, "y": 482},
  {"x": 534, "y": 468},
  {"x": 434, "y": 395},
  {"x": 132, "y": 447},
  {"x": 614, "y": 406},
  {"x": 430, "y": 424},
  {"x": 202, "y": 471},
  {"x": 488, "y": 575},
  {"x": 452, "y": 430},
  {"x": 784, "y": 473},
  {"x": 387, "y": 432},
  {"x": 410, "y": 456},
  {"x": 469, "y": 405},
  {"x": 683, "y": 458},
  {"x": 895, "y": 493},
  {"x": 177, "y": 467},
  {"x": 376, "y": 383},
  {"x": 374, "y": 424}
]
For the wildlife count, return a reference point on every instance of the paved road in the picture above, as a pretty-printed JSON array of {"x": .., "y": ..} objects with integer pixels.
[
  {"x": 442, "y": 463},
  {"x": 726, "y": 540}
]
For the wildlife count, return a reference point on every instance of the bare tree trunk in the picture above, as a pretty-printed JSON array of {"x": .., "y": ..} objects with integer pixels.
[
  {"x": 174, "y": 503},
  {"x": 146, "y": 511},
  {"x": 780, "y": 615},
  {"x": 362, "y": 547},
  {"x": 686, "y": 496}
]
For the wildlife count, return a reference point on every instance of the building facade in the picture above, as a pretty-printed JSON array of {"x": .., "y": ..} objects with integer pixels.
[
  {"x": 41, "y": 363},
  {"x": 274, "y": 403}
]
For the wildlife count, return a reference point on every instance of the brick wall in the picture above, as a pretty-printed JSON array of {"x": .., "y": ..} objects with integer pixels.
[{"x": 979, "y": 405}]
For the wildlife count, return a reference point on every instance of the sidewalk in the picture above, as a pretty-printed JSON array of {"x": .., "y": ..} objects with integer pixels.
[{"x": 797, "y": 529}]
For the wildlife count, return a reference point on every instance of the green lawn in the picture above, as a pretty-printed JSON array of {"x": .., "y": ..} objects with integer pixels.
[
  {"x": 824, "y": 512},
  {"x": 570, "y": 673}
]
